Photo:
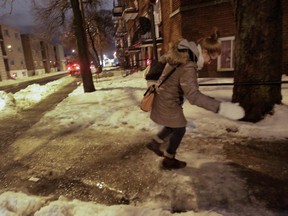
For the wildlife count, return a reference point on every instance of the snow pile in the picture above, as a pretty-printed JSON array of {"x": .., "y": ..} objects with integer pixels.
[
  {"x": 7, "y": 103},
  {"x": 28, "y": 97},
  {"x": 17, "y": 203},
  {"x": 33, "y": 94}
]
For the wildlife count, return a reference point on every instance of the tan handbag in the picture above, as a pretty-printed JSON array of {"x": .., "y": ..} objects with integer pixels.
[{"x": 147, "y": 101}]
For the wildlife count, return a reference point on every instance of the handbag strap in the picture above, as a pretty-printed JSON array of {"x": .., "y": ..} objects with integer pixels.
[{"x": 168, "y": 75}]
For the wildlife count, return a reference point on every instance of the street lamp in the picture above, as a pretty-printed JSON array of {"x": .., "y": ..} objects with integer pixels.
[{"x": 9, "y": 47}]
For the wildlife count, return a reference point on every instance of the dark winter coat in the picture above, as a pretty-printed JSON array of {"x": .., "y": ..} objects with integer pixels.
[{"x": 167, "y": 106}]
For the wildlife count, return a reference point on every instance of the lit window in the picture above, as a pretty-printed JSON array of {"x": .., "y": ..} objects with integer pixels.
[{"x": 225, "y": 60}]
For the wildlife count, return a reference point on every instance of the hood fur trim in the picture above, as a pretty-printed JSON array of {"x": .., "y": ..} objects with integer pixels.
[{"x": 174, "y": 56}]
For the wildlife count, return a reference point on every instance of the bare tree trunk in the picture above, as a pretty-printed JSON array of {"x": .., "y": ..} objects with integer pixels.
[
  {"x": 93, "y": 47},
  {"x": 82, "y": 48},
  {"x": 258, "y": 54}
]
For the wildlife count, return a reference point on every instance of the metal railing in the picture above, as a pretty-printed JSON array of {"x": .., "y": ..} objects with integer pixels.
[{"x": 243, "y": 83}]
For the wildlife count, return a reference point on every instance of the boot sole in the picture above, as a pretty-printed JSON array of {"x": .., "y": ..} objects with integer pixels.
[{"x": 163, "y": 167}]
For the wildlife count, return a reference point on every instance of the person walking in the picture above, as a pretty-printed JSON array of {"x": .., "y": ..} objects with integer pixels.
[{"x": 167, "y": 110}]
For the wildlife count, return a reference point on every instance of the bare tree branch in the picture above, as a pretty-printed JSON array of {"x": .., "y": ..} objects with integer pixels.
[
  {"x": 4, "y": 3},
  {"x": 52, "y": 14}
]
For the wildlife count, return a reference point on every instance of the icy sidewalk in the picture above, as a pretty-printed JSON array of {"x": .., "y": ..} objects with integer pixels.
[{"x": 209, "y": 185}]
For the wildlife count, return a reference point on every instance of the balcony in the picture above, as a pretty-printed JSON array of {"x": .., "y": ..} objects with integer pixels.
[
  {"x": 130, "y": 13},
  {"x": 134, "y": 49},
  {"x": 149, "y": 42},
  {"x": 145, "y": 40},
  {"x": 117, "y": 11},
  {"x": 120, "y": 31},
  {"x": 120, "y": 34}
]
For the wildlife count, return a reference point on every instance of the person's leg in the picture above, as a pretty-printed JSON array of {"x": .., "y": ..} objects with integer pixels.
[
  {"x": 175, "y": 139},
  {"x": 162, "y": 134},
  {"x": 158, "y": 140},
  {"x": 169, "y": 161}
]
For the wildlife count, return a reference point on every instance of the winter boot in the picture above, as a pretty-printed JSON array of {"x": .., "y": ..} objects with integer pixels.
[
  {"x": 155, "y": 147},
  {"x": 170, "y": 162}
]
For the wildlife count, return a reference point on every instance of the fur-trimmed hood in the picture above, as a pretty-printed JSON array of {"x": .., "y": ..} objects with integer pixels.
[{"x": 177, "y": 54}]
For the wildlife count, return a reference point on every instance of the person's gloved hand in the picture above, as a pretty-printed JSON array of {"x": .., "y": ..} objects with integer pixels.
[{"x": 231, "y": 110}]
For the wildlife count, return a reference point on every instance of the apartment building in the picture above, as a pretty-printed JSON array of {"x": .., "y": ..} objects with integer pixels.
[
  {"x": 60, "y": 58},
  {"x": 27, "y": 55},
  {"x": 12, "y": 61},
  {"x": 41, "y": 56},
  {"x": 194, "y": 19},
  {"x": 136, "y": 42},
  {"x": 144, "y": 29},
  {"x": 48, "y": 56},
  {"x": 33, "y": 55}
]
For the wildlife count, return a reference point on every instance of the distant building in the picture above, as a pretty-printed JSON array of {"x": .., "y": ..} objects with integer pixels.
[
  {"x": 27, "y": 55},
  {"x": 12, "y": 61},
  {"x": 60, "y": 58},
  {"x": 32, "y": 53},
  {"x": 41, "y": 56},
  {"x": 48, "y": 56}
]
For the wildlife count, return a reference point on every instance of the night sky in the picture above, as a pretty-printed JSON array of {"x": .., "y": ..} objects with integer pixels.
[{"x": 22, "y": 17}]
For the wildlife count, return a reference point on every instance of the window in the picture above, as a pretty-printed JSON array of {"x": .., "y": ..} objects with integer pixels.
[
  {"x": 12, "y": 62},
  {"x": 6, "y": 33},
  {"x": 16, "y": 36},
  {"x": 225, "y": 60}
]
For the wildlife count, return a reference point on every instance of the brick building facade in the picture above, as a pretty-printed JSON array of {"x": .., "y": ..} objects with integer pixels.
[{"x": 176, "y": 19}]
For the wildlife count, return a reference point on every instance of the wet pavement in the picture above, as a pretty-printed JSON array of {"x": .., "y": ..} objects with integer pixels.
[{"x": 105, "y": 173}]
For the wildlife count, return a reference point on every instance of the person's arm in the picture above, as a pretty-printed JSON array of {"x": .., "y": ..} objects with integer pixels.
[{"x": 190, "y": 87}]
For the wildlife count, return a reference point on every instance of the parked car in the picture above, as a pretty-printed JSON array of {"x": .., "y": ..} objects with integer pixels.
[{"x": 73, "y": 69}]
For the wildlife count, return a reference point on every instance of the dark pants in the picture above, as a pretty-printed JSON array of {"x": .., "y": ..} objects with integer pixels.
[{"x": 176, "y": 135}]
